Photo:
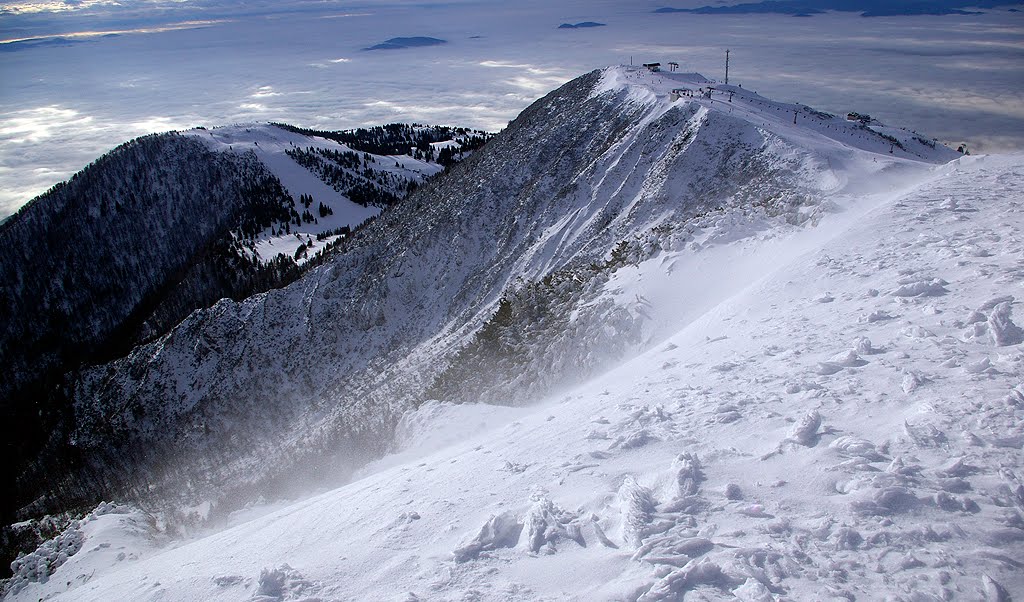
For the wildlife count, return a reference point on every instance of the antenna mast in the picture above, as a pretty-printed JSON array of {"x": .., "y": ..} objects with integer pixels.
[{"x": 727, "y": 67}]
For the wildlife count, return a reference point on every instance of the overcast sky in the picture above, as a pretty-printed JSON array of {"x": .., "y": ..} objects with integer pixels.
[{"x": 126, "y": 69}]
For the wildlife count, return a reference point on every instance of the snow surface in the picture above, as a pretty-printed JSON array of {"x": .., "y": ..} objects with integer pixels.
[{"x": 843, "y": 423}]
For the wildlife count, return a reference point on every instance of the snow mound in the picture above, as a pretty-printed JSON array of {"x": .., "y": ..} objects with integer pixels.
[{"x": 104, "y": 539}]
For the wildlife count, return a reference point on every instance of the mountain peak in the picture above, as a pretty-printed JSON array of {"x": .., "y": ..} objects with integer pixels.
[{"x": 662, "y": 90}]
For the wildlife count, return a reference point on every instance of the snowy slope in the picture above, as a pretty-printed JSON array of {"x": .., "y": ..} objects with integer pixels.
[
  {"x": 346, "y": 350},
  {"x": 608, "y": 217},
  {"x": 845, "y": 426},
  {"x": 270, "y": 143},
  {"x": 795, "y": 122}
]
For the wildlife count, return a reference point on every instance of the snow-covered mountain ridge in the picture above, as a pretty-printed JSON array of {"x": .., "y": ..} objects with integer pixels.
[
  {"x": 176, "y": 222},
  {"x": 846, "y": 427},
  {"x": 337, "y": 357},
  {"x": 514, "y": 274}
]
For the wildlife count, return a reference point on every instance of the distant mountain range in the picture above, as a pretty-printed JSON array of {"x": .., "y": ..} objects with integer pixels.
[{"x": 867, "y": 8}]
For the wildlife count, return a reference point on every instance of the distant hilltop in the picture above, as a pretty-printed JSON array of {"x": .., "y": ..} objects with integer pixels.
[
  {"x": 582, "y": 25},
  {"x": 413, "y": 42},
  {"x": 866, "y": 8}
]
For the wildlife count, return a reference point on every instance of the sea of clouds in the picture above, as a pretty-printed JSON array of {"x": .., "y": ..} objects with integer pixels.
[{"x": 78, "y": 78}]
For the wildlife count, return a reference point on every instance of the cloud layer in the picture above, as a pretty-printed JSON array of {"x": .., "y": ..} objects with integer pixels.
[{"x": 957, "y": 77}]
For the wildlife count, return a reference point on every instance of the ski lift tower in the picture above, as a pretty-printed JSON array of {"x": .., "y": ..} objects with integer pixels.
[{"x": 727, "y": 67}]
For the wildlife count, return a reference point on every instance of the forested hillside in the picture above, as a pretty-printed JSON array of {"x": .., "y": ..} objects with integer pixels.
[{"x": 117, "y": 255}]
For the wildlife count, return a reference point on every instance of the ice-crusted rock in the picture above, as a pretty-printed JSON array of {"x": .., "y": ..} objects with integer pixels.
[
  {"x": 753, "y": 590},
  {"x": 733, "y": 492},
  {"x": 545, "y": 524},
  {"x": 805, "y": 430},
  {"x": 636, "y": 507},
  {"x": 924, "y": 434},
  {"x": 827, "y": 368},
  {"x": 922, "y": 288},
  {"x": 1004, "y": 332},
  {"x": 676, "y": 549},
  {"x": 981, "y": 366},
  {"x": 994, "y": 591},
  {"x": 951, "y": 503},
  {"x": 500, "y": 531},
  {"x": 694, "y": 574},
  {"x": 879, "y": 315},
  {"x": 688, "y": 474},
  {"x": 994, "y": 301},
  {"x": 847, "y": 359},
  {"x": 886, "y": 501},
  {"x": 854, "y": 446},
  {"x": 282, "y": 584},
  {"x": 864, "y": 346},
  {"x": 847, "y": 538},
  {"x": 912, "y": 380},
  {"x": 957, "y": 467}
]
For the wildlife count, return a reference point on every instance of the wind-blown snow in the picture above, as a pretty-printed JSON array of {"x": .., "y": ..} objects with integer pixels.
[{"x": 841, "y": 417}]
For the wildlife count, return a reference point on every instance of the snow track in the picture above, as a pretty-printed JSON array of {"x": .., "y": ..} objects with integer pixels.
[{"x": 847, "y": 427}]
